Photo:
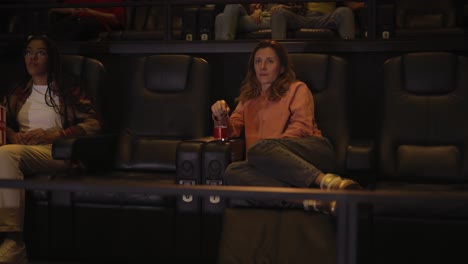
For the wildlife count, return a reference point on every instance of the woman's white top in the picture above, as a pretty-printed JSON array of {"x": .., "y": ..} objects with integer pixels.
[{"x": 35, "y": 113}]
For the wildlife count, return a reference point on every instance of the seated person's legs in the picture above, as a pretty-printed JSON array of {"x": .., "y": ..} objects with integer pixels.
[
  {"x": 236, "y": 19},
  {"x": 299, "y": 162},
  {"x": 295, "y": 161},
  {"x": 16, "y": 161},
  {"x": 246, "y": 24},
  {"x": 226, "y": 22},
  {"x": 10, "y": 199},
  {"x": 284, "y": 19},
  {"x": 244, "y": 174},
  {"x": 344, "y": 18},
  {"x": 341, "y": 19}
]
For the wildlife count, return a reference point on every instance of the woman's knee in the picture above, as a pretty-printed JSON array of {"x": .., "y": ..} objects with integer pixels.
[
  {"x": 4, "y": 154},
  {"x": 344, "y": 14},
  {"x": 219, "y": 19},
  {"x": 281, "y": 12},
  {"x": 282, "y": 16},
  {"x": 262, "y": 147},
  {"x": 230, "y": 174},
  {"x": 234, "y": 173},
  {"x": 219, "y": 24},
  {"x": 7, "y": 151},
  {"x": 9, "y": 160},
  {"x": 233, "y": 9}
]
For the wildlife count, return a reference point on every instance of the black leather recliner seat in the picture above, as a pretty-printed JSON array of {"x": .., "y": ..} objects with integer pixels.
[
  {"x": 422, "y": 149},
  {"x": 166, "y": 104},
  {"x": 46, "y": 234},
  {"x": 423, "y": 135},
  {"x": 426, "y": 19}
]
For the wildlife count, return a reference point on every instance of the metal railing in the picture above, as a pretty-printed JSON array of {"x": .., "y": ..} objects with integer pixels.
[{"x": 347, "y": 201}]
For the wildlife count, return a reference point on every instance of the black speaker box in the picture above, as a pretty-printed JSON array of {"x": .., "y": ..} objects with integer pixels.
[
  {"x": 206, "y": 17},
  {"x": 190, "y": 23},
  {"x": 362, "y": 20},
  {"x": 385, "y": 21},
  {"x": 189, "y": 173}
]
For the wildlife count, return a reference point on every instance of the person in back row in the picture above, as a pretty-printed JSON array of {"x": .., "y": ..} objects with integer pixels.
[
  {"x": 324, "y": 15},
  {"x": 289, "y": 16},
  {"x": 236, "y": 19}
]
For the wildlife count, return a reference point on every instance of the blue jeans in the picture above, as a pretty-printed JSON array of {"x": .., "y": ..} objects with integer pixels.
[
  {"x": 285, "y": 162},
  {"x": 236, "y": 19},
  {"x": 342, "y": 20}
]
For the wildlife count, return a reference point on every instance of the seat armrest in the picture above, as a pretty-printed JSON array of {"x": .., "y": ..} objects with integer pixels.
[
  {"x": 189, "y": 169},
  {"x": 217, "y": 155},
  {"x": 96, "y": 147},
  {"x": 360, "y": 160},
  {"x": 203, "y": 161},
  {"x": 233, "y": 149},
  {"x": 235, "y": 146},
  {"x": 360, "y": 155},
  {"x": 203, "y": 139}
]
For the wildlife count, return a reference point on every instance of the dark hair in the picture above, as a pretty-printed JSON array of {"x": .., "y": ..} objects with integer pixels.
[
  {"x": 56, "y": 83},
  {"x": 251, "y": 88},
  {"x": 54, "y": 70}
]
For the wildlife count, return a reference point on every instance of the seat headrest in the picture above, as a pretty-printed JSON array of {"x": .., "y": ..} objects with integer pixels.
[
  {"x": 425, "y": 13},
  {"x": 431, "y": 20},
  {"x": 73, "y": 64},
  {"x": 167, "y": 73},
  {"x": 312, "y": 69},
  {"x": 429, "y": 73}
]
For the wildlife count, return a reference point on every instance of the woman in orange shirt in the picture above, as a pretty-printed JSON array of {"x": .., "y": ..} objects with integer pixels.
[{"x": 284, "y": 145}]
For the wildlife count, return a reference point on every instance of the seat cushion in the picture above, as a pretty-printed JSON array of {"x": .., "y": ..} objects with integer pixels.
[
  {"x": 416, "y": 209},
  {"x": 127, "y": 180},
  {"x": 276, "y": 236}
]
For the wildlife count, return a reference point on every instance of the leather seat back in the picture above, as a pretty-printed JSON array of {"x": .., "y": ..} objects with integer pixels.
[
  {"x": 424, "y": 133},
  {"x": 167, "y": 103},
  {"x": 425, "y": 18},
  {"x": 89, "y": 71},
  {"x": 327, "y": 78}
]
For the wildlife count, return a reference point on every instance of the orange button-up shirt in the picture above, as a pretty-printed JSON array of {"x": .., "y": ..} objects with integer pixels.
[{"x": 290, "y": 117}]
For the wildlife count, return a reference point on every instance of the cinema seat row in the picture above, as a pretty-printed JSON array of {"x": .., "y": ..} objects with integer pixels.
[
  {"x": 421, "y": 146},
  {"x": 394, "y": 19}
]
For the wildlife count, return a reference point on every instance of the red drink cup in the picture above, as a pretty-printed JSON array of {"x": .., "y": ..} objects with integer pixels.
[{"x": 220, "y": 132}]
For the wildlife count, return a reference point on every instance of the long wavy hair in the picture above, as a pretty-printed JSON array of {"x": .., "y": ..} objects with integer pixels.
[
  {"x": 57, "y": 84},
  {"x": 54, "y": 70},
  {"x": 251, "y": 87}
]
